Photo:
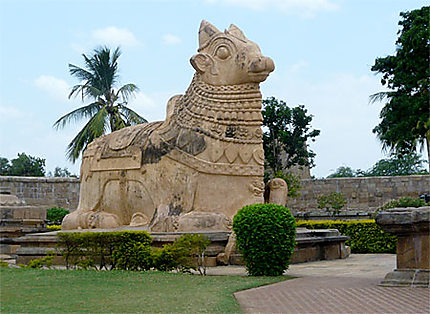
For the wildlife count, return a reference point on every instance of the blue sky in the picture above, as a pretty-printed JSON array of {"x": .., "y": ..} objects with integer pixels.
[{"x": 322, "y": 49}]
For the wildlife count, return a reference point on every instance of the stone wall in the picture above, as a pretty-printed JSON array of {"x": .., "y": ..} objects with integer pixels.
[
  {"x": 40, "y": 191},
  {"x": 362, "y": 194}
]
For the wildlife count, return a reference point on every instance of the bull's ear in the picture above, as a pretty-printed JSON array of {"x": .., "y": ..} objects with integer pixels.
[
  {"x": 202, "y": 62},
  {"x": 236, "y": 32},
  {"x": 206, "y": 31}
]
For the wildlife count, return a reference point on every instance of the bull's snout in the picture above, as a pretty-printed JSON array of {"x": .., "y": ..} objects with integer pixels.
[{"x": 262, "y": 64}]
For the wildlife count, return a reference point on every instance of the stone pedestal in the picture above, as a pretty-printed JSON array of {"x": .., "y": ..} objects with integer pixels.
[
  {"x": 312, "y": 245},
  {"x": 411, "y": 226},
  {"x": 16, "y": 220}
]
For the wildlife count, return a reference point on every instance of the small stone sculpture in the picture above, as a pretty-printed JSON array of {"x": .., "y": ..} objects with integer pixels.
[
  {"x": 278, "y": 191},
  {"x": 196, "y": 168}
]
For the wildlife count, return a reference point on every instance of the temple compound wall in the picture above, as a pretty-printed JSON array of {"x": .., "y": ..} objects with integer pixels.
[
  {"x": 42, "y": 191},
  {"x": 364, "y": 194}
]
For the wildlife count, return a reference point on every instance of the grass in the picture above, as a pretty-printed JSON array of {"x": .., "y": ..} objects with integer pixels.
[{"x": 60, "y": 291}]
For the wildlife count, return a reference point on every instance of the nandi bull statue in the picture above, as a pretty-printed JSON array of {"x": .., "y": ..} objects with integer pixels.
[{"x": 197, "y": 168}]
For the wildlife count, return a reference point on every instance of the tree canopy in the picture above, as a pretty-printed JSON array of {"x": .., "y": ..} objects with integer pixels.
[
  {"x": 24, "y": 165},
  {"x": 108, "y": 110},
  {"x": 405, "y": 118},
  {"x": 395, "y": 165},
  {"x": 61, "y": 173},
  {"x": 286, "y": 136}
]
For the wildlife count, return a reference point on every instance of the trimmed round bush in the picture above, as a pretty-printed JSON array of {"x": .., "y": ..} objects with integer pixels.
[{"x": 266, "y": 236}]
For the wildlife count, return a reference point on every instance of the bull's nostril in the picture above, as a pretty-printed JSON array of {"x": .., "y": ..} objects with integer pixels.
[
  {"x": 257, "y": 66},
  {"x": 263, "y": 64}
]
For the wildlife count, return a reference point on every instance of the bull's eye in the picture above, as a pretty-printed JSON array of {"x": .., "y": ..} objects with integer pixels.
[{"x": 222, "y": 53}]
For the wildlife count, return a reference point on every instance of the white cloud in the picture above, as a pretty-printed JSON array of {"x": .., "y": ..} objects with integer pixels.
[
  {"x": 170, "y": 39},
  {"x": 55, "y": 87},
  {"x": 115, "y": 36},
  {"x": 304, "y": 8}
]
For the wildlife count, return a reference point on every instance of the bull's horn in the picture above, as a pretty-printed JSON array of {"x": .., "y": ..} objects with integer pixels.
[
  {"x": 206, "y": 31},
  {"x": 236, "y": 32}
]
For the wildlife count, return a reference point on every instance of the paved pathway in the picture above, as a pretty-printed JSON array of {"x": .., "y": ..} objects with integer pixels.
[{"x": 340, "y": 286}]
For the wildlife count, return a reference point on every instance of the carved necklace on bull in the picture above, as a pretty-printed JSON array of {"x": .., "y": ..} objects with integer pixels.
[{"x": 228, "y": 112}]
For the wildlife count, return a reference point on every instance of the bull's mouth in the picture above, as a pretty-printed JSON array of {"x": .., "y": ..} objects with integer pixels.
[{"x": 258, "y": 76}]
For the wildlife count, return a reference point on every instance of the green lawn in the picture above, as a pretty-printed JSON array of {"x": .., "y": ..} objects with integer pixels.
[{"x": 59, "y": 291}]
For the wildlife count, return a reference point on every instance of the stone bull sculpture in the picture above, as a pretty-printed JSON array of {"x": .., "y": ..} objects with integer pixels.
[{"x": 194, "y": 170}]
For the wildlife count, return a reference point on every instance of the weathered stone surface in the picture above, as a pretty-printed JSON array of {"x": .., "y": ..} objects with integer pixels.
[
  {"x": 362, "y": 193},
  {"x": 47, "y": 192},
  {"x": 10, "y": 200},
  {"x": 278, "y": 191},
  {"x": 230, "y": 249},
  {"x": 194, "y": 170},
  {"x": 407, "y": 277},
  {"x": 64, "y": 192},
  {"x": 405, "y": 220},
  {"x": 413, "y": 251},
  {"x": 412, "y": 227},
  {"x": 17, "y": 218}
]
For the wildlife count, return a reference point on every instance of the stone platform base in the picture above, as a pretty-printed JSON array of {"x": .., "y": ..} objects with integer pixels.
[
  {"x": 312, "y": 245},
  {"x": 407, "y": 278},
  {"x": 16, "y": 221}
]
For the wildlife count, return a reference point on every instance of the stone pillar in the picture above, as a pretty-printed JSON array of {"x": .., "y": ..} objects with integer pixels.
[{"x": 411, "y": 226}]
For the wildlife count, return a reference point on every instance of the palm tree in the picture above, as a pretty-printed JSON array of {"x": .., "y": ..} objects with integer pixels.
[{"x": 108, "y": 111}]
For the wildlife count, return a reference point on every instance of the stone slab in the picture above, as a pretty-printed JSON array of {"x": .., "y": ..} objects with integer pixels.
[{"x": 407, "y": 278}]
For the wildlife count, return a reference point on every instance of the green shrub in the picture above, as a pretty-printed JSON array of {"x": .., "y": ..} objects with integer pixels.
[
  {"x": 131, "y": 250},
  {"x": 105, "y": 249},
  {"x": 132, "y": 255},
  {"x": 266, "y": 237},
  {"x": 40, "y": 262},
  {"x": 193, "y": 245},
  {"x": 403, "y": 202},
  {"x": 365, "y": 235},
  {"x": 166, "y": 258},
  {"x": 187, "y": 252},
  {"x": 56, "y": 214},
  {"x": 53, "y": 227},
  {"x": 334, "y": 201}
]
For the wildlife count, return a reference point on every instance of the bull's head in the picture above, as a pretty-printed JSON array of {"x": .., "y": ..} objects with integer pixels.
[{"x": 229, "y": 58}]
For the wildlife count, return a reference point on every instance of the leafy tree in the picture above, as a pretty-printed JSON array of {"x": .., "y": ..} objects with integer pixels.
[
  {"x": 288, "y": 131},
  {"x": 334, "y": 201},
  {"x": 108, "y": 109},
  {"x": 405, "y": 117},
  {"x": 26, "y": 165},
  {"x": 342, "y": 172},
  {"x": 61, "y": 173},
  {"x": 397, "y": 165},
  {"x": 4, "y": 166}
]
